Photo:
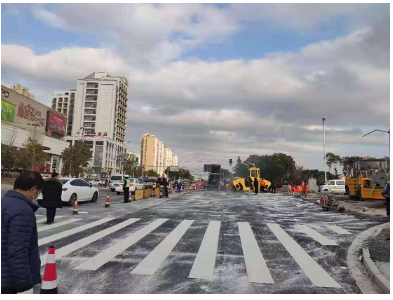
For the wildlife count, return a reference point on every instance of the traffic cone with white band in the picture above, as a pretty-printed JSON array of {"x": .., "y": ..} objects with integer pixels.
[
  {"x": 75, "y": 211},
  {"x": 107, "y": 201},
  {"x": 49, "y": 281}
]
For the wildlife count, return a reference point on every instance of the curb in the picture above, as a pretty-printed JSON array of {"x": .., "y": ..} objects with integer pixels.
[
  {"x": 357, "y": 268},
  {"x": 374, "y": 272}
]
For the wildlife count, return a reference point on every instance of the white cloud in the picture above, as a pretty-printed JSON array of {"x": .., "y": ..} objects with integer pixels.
[{"x": 232, "y": 107}]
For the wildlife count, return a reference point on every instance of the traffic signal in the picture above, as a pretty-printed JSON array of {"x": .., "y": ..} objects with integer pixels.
[
  {"x": 136, "y": 160},
  {"x": 230, "y": 162}
]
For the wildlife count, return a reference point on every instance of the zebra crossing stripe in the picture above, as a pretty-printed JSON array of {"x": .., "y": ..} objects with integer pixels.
[
  {"x": 88, "y": 240},
  {"x": 205, "y": 261},
  {"x": 338, "y": 230},
  {"x": 43, "y": 219},
  {"x": 48, "y": 227},
  {"x": 69, "y": 232},
  {"x": 101, "y": 259},
  {"x": 318, "y": 276},
  {"x": 317, "y": 236},
  {"x": 152, "y": 262},
  {"x": 257, "y": 269}
]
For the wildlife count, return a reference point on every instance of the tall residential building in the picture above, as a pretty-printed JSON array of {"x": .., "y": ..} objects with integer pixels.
[
  {"x": 100, "y": 118},
  {"x": 22, "y": 90},
  {"x": 64, "y": 103},
  {"x": 154, "y": 155}
]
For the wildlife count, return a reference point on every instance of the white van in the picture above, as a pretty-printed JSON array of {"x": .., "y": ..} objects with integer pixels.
[
  {"x": 116, "y": 180},
  {"x": 335, "y": 186}
]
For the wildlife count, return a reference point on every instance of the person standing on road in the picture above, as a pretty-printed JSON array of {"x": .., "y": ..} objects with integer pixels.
[
  {"x": 256, "y": 185},
  {"x": 165, "y": 184},
  {"x": 20, "y": 257},
  {"x": 179, "y": 184},
  {"x": 126, "y": 189},
  {"x": 263, "y": 184},
  {"x": 386, "y": 194},
  {"x": 52, "y": 197}
]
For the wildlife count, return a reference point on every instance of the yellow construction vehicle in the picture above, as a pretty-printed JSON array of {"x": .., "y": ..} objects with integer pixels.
[
  {"x": 367, "y": 180},
  {"x": 247, "y": 184}
]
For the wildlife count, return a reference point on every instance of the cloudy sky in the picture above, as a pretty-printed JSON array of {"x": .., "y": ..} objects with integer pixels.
[{"x": 219, "y": 81}]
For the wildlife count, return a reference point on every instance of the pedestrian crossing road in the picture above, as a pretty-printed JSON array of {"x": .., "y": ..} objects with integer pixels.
[{"x": 205, "y": 242}]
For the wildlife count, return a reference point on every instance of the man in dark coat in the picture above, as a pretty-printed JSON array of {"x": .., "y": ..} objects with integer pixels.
[
  {"x": 52, "y": 197},
  {"x": 20, "y": 258},
  {"x": 256, "y": 185}
]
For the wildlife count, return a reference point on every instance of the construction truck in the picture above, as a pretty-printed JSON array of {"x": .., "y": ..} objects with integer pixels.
[
  {"x": 367, "y": 180},
  {"x": 214, "y": 179},
  {"x": 247, "y": 184}
]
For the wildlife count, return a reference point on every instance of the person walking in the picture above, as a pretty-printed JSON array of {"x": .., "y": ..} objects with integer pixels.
[
  {"x": 179, "y": 182},
  {"x": 165, "y": 184},
  {"x": 256, "y": 185},
  {"x": 20, "y": 257},
  {"x": 52, "y": 197},
  {"x": 126, "y": 189}
]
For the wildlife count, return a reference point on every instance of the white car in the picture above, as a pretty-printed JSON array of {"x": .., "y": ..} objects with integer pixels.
[
  {"x": 135, "y": 184},
  {"x": 334, "y": 186},
  {"x": 78, "y": 189},
  {"x": 116, "y": 179}
]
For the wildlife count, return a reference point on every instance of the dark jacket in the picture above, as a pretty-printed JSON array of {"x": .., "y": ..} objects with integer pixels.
[
  {"x": 20, "y": 258},
  {"x": 52, "y": 193},
  {"x": 255, "y": 183}
]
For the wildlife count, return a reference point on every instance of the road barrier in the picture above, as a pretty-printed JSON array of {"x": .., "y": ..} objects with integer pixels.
[
  {"x": 138, "y": 194},
  {"x": 147, "y": 193},
  {"x": 157, "y": 191}
]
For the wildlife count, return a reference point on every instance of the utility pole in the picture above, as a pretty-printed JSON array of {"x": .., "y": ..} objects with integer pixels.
[{"x": 324, "y": 148}]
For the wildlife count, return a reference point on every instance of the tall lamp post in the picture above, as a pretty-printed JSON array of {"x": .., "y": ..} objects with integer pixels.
[
  {"x": 388, "y": 132},
  {"x": 324, "y": 148}
]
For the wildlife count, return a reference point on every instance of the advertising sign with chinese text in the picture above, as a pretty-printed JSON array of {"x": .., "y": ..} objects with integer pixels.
[
  {"x": 7, "y": 111},
  {"x": 56, "y": 123}
]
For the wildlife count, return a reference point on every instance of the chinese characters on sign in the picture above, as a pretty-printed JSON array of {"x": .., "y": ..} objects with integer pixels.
[
  {"x": 30, "y": 113},
  {"x": 96, "y": 134}
]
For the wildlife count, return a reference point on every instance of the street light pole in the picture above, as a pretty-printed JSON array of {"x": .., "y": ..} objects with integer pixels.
[
  {"x": 324, "y": 148},
  {"x": 388, "y": 132}
]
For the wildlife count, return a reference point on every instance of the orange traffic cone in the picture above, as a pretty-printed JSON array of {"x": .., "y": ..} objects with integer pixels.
[
  {"x": 75, "y": 212},
  {"x": 107, "y": 201},
  {"x": 129, "y": 197},
  {"x": 49, "y": 281}
]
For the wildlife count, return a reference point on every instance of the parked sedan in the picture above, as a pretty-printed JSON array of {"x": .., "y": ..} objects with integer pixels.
[
  {"x": 135, "y": 184},
  {"x": 78, "y": 189}
]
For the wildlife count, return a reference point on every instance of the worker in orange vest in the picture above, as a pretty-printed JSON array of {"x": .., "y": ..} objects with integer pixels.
[
  {"x": 219, "y": 186},
  {"x": 262, "y": 184},
  {"x": 306, "y": 190}
]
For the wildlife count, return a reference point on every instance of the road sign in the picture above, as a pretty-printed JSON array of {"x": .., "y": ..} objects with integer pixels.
[{"x": 174, "y": 169}]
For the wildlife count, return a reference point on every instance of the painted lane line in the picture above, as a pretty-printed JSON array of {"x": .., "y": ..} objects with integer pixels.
[
  {"x": 338, "y": 230},
  {"x": 318, "y": 276},
  {"x": 48, "y": 227},
  {"x": 43, "y": 220},
  {"x": 69, "y": 232},
  {"x": 101, "y": 259},
  {"x": 152, "y": 262},
  {"x": 316, "y": 236},
  {"x": 205, "y": 261},
  {"x": 88, "y": 240},
  {"x": 257, "y": 269}
]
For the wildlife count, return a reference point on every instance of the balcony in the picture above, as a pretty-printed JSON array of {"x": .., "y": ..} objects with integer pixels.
[
  {"x": 90, "y": 111},
  {"x": 90, "y": 105},
  {"x": 92, "y": 85},
  {"x": 91, "y": 92}
]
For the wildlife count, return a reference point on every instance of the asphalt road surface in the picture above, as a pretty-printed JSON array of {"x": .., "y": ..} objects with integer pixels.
[{"x": 202, "y": 242}]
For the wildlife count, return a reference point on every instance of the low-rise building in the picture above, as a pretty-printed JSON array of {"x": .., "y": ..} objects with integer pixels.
[{"x": 22, "y": 117}]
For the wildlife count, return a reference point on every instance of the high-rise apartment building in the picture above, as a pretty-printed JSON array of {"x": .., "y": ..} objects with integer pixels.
[
  {"x": 64, "y": 103},
  {"x": 154, "y": 155},
  {"x": 100, "y": 118}
]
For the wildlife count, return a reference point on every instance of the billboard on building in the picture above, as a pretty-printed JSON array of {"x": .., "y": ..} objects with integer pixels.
[
  {"x": 56, "y": 123},
  {"x": 7, "y": 111}
]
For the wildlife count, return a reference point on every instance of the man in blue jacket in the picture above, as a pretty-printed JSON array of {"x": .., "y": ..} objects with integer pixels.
[{"x": 20, "y": 259}]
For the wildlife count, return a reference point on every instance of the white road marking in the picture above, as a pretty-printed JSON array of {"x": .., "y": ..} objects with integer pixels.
[
  {"x": 257, "y": 269},
  {"x": 88, "y": 240},
  {"x": 43, "y": 220},
  {"x": 316, "y": 236},
  {"x": 66, "y": 233},
  {"x": 101, "y": 259},
  {"x": 152, "y": 262},
  {"x": 55, "y": 225},
  {"x": 205, "y": 261},
  {"x": 317, "y": 275},
  {"x": 338, "y": 230}
]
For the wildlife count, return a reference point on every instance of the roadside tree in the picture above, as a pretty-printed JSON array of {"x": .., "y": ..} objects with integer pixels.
[
  {"x": 32, "y": 154},
  {"x": 76, "y": 158}
]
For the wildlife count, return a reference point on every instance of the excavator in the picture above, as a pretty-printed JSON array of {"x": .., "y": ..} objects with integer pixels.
[
  {"x": 247, "y": 184},
  {"x": 367, "y": 180}
]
